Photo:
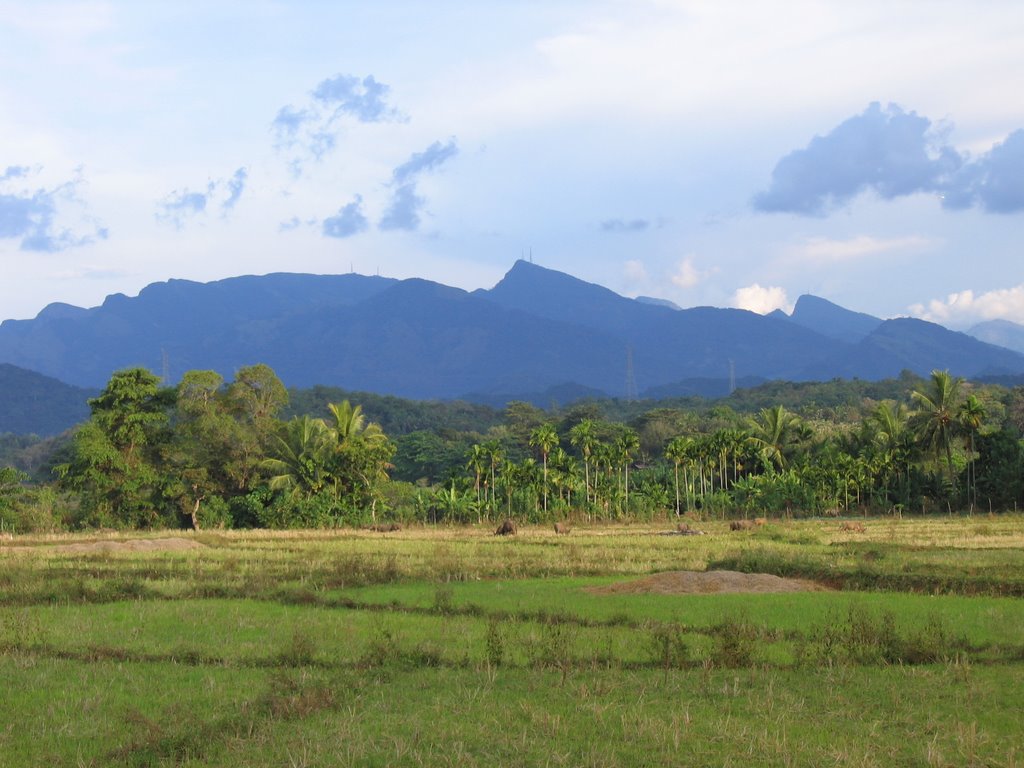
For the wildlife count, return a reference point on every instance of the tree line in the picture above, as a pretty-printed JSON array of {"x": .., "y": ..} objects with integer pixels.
[{"x": 211, "y": 453}]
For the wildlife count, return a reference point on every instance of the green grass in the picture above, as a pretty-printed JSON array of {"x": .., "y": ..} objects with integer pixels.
[{"x": 452, "y": 647}]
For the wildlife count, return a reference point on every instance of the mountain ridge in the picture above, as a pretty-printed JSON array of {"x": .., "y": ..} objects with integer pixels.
[{"x": 535, "y": 331}]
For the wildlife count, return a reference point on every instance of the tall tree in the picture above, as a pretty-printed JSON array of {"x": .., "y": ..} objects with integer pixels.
[
  {"x": 299, "y": 460},
  {"x": 584, "y": 437},
  {"x": 113, "y": 465},
  {"x": 677, "y": 451},
  {"x": 627, "y": 446},
  {"x": 774, "y": 431},
  {"x": 972, "y": 416},
  {"x": 544, "y": 438},
  {"x": 936, "y": 422}
]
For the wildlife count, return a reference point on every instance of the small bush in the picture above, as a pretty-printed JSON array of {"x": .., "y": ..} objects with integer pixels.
[
  {"x": 667, "y": 645},
  {"x": 736, "y": 642},
  {"x": 494, "y": 643},
  {"x": 298, "y": 651}
]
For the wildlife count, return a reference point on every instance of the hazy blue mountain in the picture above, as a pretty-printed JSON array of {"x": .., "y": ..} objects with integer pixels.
[
  {"x": 657, "y": 302},
  {"x": 179, "y": 325},
  {"x": 538, "y": 334},
  {"x": 31, "y": 403},
  {"x": 831, "y": 320},
  {"x": 667, "y": 345},
  {"x": 1002, "y": 333},
  {"x": 921, "y": 346}
]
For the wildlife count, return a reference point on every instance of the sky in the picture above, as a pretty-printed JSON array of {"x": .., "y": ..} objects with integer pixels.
[{"x": 706, "y": 152}]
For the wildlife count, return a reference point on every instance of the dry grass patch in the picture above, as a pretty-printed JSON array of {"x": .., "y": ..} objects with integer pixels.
[{"x": 707, "y": 583}]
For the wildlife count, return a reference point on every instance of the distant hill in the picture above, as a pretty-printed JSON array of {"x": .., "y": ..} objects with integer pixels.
[
  {"x": 831, "y": 320},
  {"x": 1000, "y": 332},
  {"x": 537, "y": 335},
  {"x": 31, "y": 403},
  {"x": 657, "y": 302}
]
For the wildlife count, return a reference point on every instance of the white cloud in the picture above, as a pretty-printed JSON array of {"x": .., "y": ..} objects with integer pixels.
[
  {"x": 761, "y": 300},
  {"x": 635, "y": 271},
  {"x": 687, "y": 275},
  {"x": 965, "y": 308},
  {"x": 824, "y": 250}
]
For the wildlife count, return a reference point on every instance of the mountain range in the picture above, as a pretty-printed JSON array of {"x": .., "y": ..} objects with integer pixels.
[{"x": 538, "y": 334}]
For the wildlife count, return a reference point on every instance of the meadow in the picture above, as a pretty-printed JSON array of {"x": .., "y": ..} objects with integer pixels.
[{"x": 899, "y": 645}]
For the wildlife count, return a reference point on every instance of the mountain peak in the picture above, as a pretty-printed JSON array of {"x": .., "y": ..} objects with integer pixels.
[{"x": 830, "y": 319}]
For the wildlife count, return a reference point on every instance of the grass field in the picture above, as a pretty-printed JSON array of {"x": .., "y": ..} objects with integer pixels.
[{"x": 455, "y": 647}]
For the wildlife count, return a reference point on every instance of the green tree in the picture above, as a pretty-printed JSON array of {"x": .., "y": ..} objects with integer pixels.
[
  {"x": 299, "y": 460},
  {"x": 971, "y": 417},
  {"x": 361, "y": 457},
  {"x": 203, "y": 436},
  {"x": 545, "y": 439},
  {"x": 678, "y": 451},
  {"x": 627, "y": 445},
  {"x": 254, "y": 399},
  {"x": 936, "y": 422},
  {"x": 11, "y": 489},
  {"x": 775, "y": 432},
  {"x": 113, "y": 465},
  {"x": 583, "y": 437}
]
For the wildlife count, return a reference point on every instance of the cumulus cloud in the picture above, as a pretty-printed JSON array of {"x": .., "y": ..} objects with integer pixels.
[
  {"x": 686, "y": 275},
  {"x": 180, "y": 206},
  {"x": 403, "y": 211},
  {"x": 347, "y": 222},
  {"x": 965, "y": 307},
  {"x": 894, "y": 153},
  {"x": 45, "y": 219},
  {"x": 994, "y": 181},
  {"x": 889, "y": 151},
  {"x": 311, "y": 131},
  {"x": 761, "y": 299},
  {"x": 622, "y": 225}
]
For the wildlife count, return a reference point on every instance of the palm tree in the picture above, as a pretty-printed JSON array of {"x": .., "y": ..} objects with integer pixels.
[
  {"x": 972, "y": 415},
  {"x": 495, "y": 455},
  {"x": 582, "y": 436},
  {"x": 936, "y": 422},
  {"x": 545, "y": 439},
  {"x": 677, "y": 451},
  {"x": 774, "y": 431},
  {"x": 627, "y": 445},
  {"x": 300, "y": 457},
  {"x": 892, "y": 436},
  {"x": 477, "y": 462}
]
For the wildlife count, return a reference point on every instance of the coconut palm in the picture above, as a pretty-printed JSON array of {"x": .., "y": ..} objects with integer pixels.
[
  {"x": 972, "y": 415},
  {"x": 300, "y": 457},
  {"x": 774, "y": 431},
  {"x": 936, "y": 422}
]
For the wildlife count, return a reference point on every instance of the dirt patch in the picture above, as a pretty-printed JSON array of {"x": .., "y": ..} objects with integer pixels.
[
  {"x": 706, "y": 583},
  {"x": 170, "y": 544}
]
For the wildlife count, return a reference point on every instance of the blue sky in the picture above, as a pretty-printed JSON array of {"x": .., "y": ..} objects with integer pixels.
[{"x": 722, "y": 153}]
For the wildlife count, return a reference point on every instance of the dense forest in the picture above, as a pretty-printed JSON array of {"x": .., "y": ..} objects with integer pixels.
[{"x": 251, "y": 453}]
